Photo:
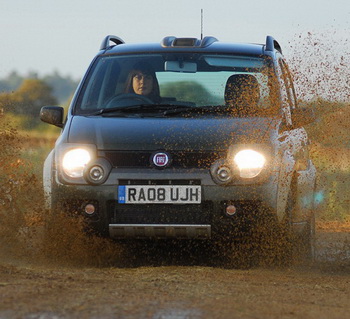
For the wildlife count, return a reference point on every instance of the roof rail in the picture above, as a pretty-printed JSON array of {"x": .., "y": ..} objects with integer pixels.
[
  {"x": 167, "y": 41},
  {"x": 112, "y": 38},
  {"x": 272, "y": 44},
  {"x": 188, "y": 42},
  {"x": 206, "y": 41}
]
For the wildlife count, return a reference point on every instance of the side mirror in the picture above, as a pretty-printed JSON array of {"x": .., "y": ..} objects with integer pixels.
[
  {"x": 52, "y": 115},
  {"x": 303, "y": 116}
]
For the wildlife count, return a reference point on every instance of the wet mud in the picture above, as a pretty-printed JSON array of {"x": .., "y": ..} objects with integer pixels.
[{"x": 57, "y": 271}]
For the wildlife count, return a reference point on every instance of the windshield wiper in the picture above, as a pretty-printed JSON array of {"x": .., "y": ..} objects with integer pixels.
[
  {"x": 122, "y": 109},
  {"x": 201, "y": 109},
  {"x": 150, "y": 108}
]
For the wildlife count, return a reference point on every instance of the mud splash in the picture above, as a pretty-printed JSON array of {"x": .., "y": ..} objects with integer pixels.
[
  {"x": 54, "y": 240},
  {"x": 320, "y": 64},
  {"x": 28, "y": 232}
]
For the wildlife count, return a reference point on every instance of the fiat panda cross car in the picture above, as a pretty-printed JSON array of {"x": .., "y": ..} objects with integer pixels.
[{"x": 186, "y": 138}]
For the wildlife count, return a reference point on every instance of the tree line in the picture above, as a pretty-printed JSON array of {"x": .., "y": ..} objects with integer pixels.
[
  {"x": 62, "y": 86},
  {"x": 25, "y": 95}
]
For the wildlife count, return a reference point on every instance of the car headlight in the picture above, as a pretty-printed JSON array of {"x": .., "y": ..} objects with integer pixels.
[
  {"x": 74, "y": 162},
  {"x": 221, "y": 172},
  {"x": 97, "y": 171},
  {"x": 249, "y": 162}
]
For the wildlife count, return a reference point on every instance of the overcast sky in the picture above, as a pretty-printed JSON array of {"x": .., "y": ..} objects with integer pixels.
[{"x": 64, "y": 35}]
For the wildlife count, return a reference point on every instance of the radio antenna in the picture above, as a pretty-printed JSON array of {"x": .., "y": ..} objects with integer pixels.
[{"x": 201, "y": 24}]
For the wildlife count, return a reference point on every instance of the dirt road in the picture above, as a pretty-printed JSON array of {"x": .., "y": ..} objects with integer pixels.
[{"x": 174, "y": 290}]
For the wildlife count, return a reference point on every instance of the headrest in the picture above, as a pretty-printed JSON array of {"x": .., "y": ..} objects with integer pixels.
[
  {"x": 241, "y": 83},
  {"x": 242, "y": 94}
]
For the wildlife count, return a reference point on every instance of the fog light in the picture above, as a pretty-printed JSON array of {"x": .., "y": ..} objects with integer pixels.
[
  {"x": 231, "y": 210},
  {"x": 89, "y": 209},
  {"x": 96, "y": 173}
]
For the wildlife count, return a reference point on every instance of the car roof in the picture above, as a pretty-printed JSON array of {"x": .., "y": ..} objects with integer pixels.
[{"x": 205, "y": 45}]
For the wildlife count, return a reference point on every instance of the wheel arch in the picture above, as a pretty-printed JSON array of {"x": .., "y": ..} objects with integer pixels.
[
  {"x": 287, "y": 170},
  {"x": 47, "y": 178}
]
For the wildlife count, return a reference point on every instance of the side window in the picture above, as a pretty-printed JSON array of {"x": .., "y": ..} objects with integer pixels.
[
  {"x": 289, "y": 84},
  {"x": 101, "y": 85},
  {"x": 287, "y": 90}
]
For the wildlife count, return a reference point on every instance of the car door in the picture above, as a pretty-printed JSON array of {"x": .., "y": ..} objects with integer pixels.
[{"x": 295, "y": 149}]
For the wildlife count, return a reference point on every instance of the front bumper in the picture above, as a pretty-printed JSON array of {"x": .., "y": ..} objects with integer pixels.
[
  {"x": 179, "y": 231},
  {"x": 203, "y": 221}
]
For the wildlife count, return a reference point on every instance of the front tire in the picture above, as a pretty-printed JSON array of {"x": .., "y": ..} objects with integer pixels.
[
  {"x": 308, "y": 248},
  {"x": 301, "y": 244}
]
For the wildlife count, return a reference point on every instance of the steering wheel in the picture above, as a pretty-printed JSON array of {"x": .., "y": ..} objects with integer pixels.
[{"x": 128, "y": 99}]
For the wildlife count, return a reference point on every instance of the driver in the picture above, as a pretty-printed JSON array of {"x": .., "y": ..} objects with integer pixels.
[{"x": 142, "y": 80}]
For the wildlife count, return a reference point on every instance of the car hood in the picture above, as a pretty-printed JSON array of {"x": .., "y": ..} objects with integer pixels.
[{"x": 202, "y": 133}]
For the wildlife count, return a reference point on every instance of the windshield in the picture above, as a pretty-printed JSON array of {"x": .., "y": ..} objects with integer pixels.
[{"x": 232, "y": 83}]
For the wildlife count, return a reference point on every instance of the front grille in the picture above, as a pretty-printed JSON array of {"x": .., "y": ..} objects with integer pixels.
[
  {"x": 181, "y": 159},
  {"x": 159, "y": 182},
  {"x": 160, "y": 214}
]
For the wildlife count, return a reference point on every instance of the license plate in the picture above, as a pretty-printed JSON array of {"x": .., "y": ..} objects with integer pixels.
[{"x": 159, "y": 194}]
